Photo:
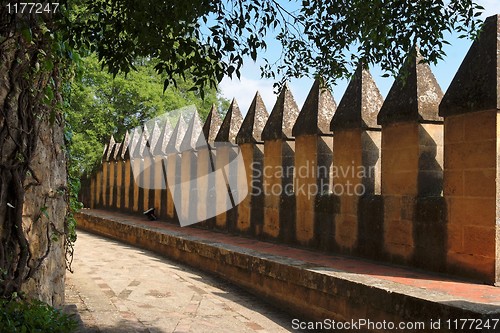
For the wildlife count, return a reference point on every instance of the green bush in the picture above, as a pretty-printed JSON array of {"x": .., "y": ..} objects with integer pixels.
[{"x": 33, "y": 316}]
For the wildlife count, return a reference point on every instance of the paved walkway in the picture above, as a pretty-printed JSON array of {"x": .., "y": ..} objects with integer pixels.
[
  {"x": 407, "y": 278},
  {"x": 119, "y": 288}
]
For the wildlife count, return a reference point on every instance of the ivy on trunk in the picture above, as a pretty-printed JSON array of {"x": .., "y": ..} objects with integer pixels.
[{"x": 29, "y": 86}]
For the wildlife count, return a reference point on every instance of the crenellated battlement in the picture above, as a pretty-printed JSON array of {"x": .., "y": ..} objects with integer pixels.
[{"x": 414, "y": 179}]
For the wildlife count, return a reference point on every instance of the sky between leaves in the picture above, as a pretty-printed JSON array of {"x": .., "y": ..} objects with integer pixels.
[{"x": 244, "y": 90}]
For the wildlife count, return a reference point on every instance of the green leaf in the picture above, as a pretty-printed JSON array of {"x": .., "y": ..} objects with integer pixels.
[
  {"x": 48, "y": 65},
  {"x": 26, "y": 33}
]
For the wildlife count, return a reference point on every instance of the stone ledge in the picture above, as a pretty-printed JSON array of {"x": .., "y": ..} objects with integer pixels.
[{"x": 301, "y": 287}]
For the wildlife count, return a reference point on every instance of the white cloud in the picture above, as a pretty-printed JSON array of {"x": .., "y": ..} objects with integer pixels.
[{"x": 244, "y": 91}]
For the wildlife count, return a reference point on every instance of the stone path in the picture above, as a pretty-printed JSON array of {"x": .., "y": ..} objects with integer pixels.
[
  {"x": 119, "y": 288},
  {"x": 405, "y": 278}
]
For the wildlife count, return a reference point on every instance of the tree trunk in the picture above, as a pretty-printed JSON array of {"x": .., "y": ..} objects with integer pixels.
[{"x": 33, "y": 182}]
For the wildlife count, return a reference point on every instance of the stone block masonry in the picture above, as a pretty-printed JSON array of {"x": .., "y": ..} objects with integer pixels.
[
  {"x": 413, "y": 180},
  {"x": 471, "y": 108},
  {"x": 314, "y": 286}
]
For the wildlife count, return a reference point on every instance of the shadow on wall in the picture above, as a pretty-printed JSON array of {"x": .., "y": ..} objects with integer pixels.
[{"x": 430, "y": 176}]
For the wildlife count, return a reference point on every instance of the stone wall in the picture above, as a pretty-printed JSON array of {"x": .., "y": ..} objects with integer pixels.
[{"x": 413, "y": 179}]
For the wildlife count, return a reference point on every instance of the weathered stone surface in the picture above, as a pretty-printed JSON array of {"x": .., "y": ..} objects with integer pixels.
[
  {"x": 476, "y": 85},
  {"x": 429, "y": 232},
  {"x": 173, "y": 145},
  {"x": 115, "y": 154},
  {"x": 360, "y": 104},
  {"x": 142, "y": 148},
  {"x": 254, "y": 122},
  {"x": 134, "y": 138},
  {"x": 124, "y": 146},
  {"x": 190, "y": 140},
  {"x": 282, "y": 117},
  {"x": 210, "y": 128},
  {"x": 471, "y": 182},
  {"x": 230, "y": 125},
  {"x": 109, "y": 150},
  {"x": 161, "y": 145},
  {"x": 154, "y": 131},
  {"x": 414, "y": 96},
  {"x": 317, "y": 112}
]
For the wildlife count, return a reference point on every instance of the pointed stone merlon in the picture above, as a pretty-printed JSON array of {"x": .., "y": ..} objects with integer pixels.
[
  {"x": 160, "y": 148},
  {"x": 412, "y": 152},
  {"x": 109, "y": 149},
  {"x": 282, "y": 118},
  {"x": 254, "y": 122},
  {"x": 159, "y": 144},
  {"x": 155, "y": 148},
  {"x": 101, "y": 179},
  {"x": 230, "y": 125},
  {"x": 115, "y": 153},
  {"x": 316, "y": 113},
  {"x": 153, "y": 168},
  {"x": 224, "y": 154},
  {"x": 154, "y": 131},
  {"x": 205, "y": 167},
  {"x": 313, "y": 158},
  {"x": 115, "y": 176},
  {"x": 192, "y": 134},
  {"x": 360, "y": 104},
  {"x": 356, "y": 145},
  {"x": 175, "y": 141},
  {"x": 187, "y": 208},
  {"x": 210, "y": 128},
  {"x": 152, "y": 180},
  {"x": 142, "y": 162},
  {"x": 137, "y": 144},
  {"x": 124, "y": 181},
  {"x": 98, "y": 188},
  {"x": 113, "y": 170},
  {"x": 471, "y": 109},
  {"x": 119, "y": 165},
  {"x": 173, "y": 165},
  {"x": 105, "y": 172},
  {"x": 123, "y": 173},
  {"x": 142, "y": 148},
  {"x": 279, "y": 155},
  {"x": 133, "y": 139},
  {"x": 249, "y": 139},
  {"x": 123, "y": 153},
  {"x": 136, "y": 201}
]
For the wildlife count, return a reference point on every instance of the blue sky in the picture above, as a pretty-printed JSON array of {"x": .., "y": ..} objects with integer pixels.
[{"x": 244, "y": 90}]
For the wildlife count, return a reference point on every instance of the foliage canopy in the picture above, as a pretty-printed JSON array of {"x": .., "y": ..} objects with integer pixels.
[
  {"x": 211, "y": 39},
  {"x": 100, "y": 106}
]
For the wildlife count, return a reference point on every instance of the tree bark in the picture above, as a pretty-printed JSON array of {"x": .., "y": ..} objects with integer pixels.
[{"x": 33, "y": 176}]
